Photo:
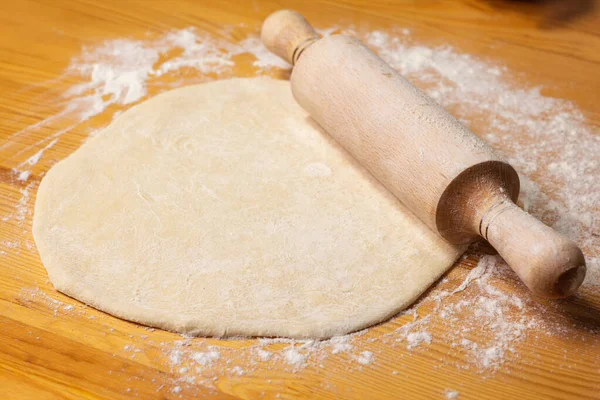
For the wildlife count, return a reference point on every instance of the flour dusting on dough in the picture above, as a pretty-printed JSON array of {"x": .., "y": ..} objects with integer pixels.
[{"x": 317, "y": 169}]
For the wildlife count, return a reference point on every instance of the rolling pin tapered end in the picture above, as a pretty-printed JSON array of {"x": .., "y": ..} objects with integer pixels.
[
  {"x": 549, "y": 264},
  {"x": 287, "y": 33}
]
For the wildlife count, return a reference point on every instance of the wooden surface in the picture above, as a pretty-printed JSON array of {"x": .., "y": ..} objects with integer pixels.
[{"x": 48, "y": 350}]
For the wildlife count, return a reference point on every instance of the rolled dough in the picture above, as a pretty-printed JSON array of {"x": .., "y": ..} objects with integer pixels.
[{"x": 222, "y": 209}]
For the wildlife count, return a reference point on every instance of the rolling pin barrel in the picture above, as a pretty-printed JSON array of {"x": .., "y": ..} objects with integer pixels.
[{"x": 440, "y": 170}]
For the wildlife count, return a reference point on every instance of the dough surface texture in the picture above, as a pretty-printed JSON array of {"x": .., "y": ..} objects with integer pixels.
[{"x": 222, "y": 209}]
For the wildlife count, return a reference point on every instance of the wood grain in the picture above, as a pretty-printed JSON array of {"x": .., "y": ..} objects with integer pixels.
[{"x": 47, "y": 352}]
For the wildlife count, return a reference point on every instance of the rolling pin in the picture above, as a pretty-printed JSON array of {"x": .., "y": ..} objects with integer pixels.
[{"x": 432, "y": 163}]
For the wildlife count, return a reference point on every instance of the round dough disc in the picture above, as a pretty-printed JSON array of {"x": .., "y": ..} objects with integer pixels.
[{"x": 223, "y": 209}]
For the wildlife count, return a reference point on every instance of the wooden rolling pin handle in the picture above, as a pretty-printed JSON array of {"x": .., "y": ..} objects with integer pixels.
[
  {"x": 546, "y": 261},
  {"x": 287, "y": 34}
]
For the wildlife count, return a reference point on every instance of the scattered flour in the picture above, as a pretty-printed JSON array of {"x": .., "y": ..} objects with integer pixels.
[
  {"x": 22, "y": 175},
  {"x": 22, "y": 207},
  {"x": 119, "y": 70},
  {"x": 482, "y": 321},
  {"x": 416, "y": 338},
  {"x": 340, "y": 344},
  {"x": 206, "y": 358},
  {"x": 264, "y": 355},
  {"x": 365, "y": 358},
  {"x": 294, "y": 357},
  {"x": 34, "y": 159},
  {"x": 500, "y": 316},
  {"x": 36, "y": 295},
  {"x": 176, "y": 356}
]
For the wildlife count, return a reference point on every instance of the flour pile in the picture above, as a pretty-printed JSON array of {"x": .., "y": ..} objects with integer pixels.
[{"x": 545, "y": 138}]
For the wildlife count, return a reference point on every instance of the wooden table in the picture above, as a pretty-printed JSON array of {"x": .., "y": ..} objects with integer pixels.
[{"x": 52, "y": 346}]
